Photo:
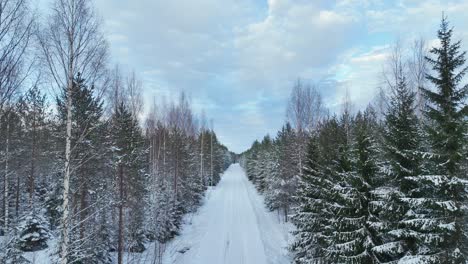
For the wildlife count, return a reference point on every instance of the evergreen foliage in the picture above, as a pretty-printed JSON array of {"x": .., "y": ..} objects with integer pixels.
[{"x": 380, "y": 191}]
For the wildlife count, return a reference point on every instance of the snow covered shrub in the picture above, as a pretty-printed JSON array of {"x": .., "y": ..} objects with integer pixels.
[
  {"x": 137, "y": 244},
  {"x": 33, "y": 233}
]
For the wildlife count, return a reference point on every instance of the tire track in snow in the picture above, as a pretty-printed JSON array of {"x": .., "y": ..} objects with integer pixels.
[{"x": 232, "y": 227}]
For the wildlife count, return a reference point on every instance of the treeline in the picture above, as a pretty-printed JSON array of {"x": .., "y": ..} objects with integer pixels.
[
  {"x": 383, "y": 185},
  {"x": 81, "y": 173}
]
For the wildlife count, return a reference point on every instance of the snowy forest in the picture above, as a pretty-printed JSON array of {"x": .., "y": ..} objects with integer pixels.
[
  {"x": 92, "y": 174},
  {"x": 387, "y": 184},
  {"x": 82, "y": 173}
]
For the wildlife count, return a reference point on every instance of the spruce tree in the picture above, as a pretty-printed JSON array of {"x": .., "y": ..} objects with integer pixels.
[
  {"x": 263, "y": 169},
  {"x": 447, "y": 109},
  {"x": 128, "y": 149},
  {"x": 288, "y": 169},
  {"x": 441, "y": 194},
  {"x": 273, "y": 181},
  {"x": 33, "y": 233},
  {"x": 402, "y": 145},
  {"x": 87, "y": 145},
  {"x": 36, "y": 126},
  {"x": 359, "y": 218},
  {"x": 345, "y": 233},
  {"x": 251, "y": 161},
  {"x": 312, "y": 219}
]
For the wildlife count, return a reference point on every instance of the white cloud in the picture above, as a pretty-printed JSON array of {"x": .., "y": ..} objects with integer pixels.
[
  {"x": 295, "y": 37},
  {"x": 238, "y": 58},
  {"x": 361, "y": 68}
]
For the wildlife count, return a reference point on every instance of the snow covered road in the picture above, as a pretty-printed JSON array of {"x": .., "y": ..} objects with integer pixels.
[{"x": 232, "y": 227}]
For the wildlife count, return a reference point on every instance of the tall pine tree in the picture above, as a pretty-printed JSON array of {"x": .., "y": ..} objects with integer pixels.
[
  {"x": 402, "y": 145},
  {"x": 312, "y": 219},
  {"x": 128, "y": 148},
  {"x": 441, "y": 237}
]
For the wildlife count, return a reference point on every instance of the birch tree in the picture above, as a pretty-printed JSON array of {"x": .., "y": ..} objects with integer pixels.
[
  {"x": 71, "y": 43},
  {"x": 304, "y": 110}
]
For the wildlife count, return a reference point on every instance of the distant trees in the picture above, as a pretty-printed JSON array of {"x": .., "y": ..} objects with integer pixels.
[
  {"x": 275, "y": 165},
  {"x": 262, "y": 165},
  {"x": 184, "y": 161},
  {"x": 377, "y": 190}
]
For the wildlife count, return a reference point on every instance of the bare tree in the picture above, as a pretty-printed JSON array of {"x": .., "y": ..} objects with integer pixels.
[
  {"x": 418, "y": 69},
  {"x": 16, "y": 28},
  {"x": 304, "y": 111},
  {"x": 305, "y": 107},
  {"x": 391, "y": 74},
  {"x": 16, "y": 25},
  {"x": 134, "y": 94},
  {"x": 404, "y": 63},
  {"x": 346, "y": 113},
  {"x": 72, "y": 43},
  {"x": 116, "y": 89}
]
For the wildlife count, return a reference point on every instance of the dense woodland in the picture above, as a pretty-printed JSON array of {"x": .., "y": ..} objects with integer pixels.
[
  {"x": 387, "y": 184},
  {"x": 81, "y": 170},
  {"x": 89, "y": 173}
]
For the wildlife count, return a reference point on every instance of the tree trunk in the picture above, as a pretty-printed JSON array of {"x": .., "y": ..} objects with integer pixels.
[
  {"x": 66, "y": 176},
  {"x": 176, "y": 171},
  {"x": 285, "y": 214},
  {"x": 201, "y": 159},
  {"x": 33, "y": 157},
  {"x": 17, "y": 196},
  {"x": 5, "y": 186},
  {"x": 211, "y": 159},
  {"x": 83, "y": 209},
  {"x": 121, "y": 220}
]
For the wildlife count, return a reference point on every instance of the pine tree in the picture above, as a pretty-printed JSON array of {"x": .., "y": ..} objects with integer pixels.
[
  {"x": 439, "y": 197},
  {"x": 345, "y": 232},
  {"x": 402, "y": 144},
  {"x": 273, "y": 181},
  {"x": 87, "y": 138},
  {"x": 251, "y": 160},
  {"x": 37, "y": 130},
  {"x": 221, "y": 158},
  {"x": 288, "y": 173},
  {"x": 313, "y": 213},
  {"x": 358, "y": 224},
  {"x": 128, "y": 149},
  {"x": 447, "y": 108},
  {"x": 12, "y": 166},
  {"x": 262, "y": 164},
  {"x": 33, "y": 233}
]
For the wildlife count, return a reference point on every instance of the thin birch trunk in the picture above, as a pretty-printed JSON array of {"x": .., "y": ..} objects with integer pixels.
[
  {"x": 5, "y": 186},
  {"x": 66, "y": 177}
]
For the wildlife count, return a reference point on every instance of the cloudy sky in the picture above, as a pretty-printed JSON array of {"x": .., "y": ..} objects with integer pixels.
[{"x": 238, "y": 59}]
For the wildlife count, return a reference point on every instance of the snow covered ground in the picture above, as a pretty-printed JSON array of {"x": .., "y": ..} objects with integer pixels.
[{"x": 233, "y": 226}]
